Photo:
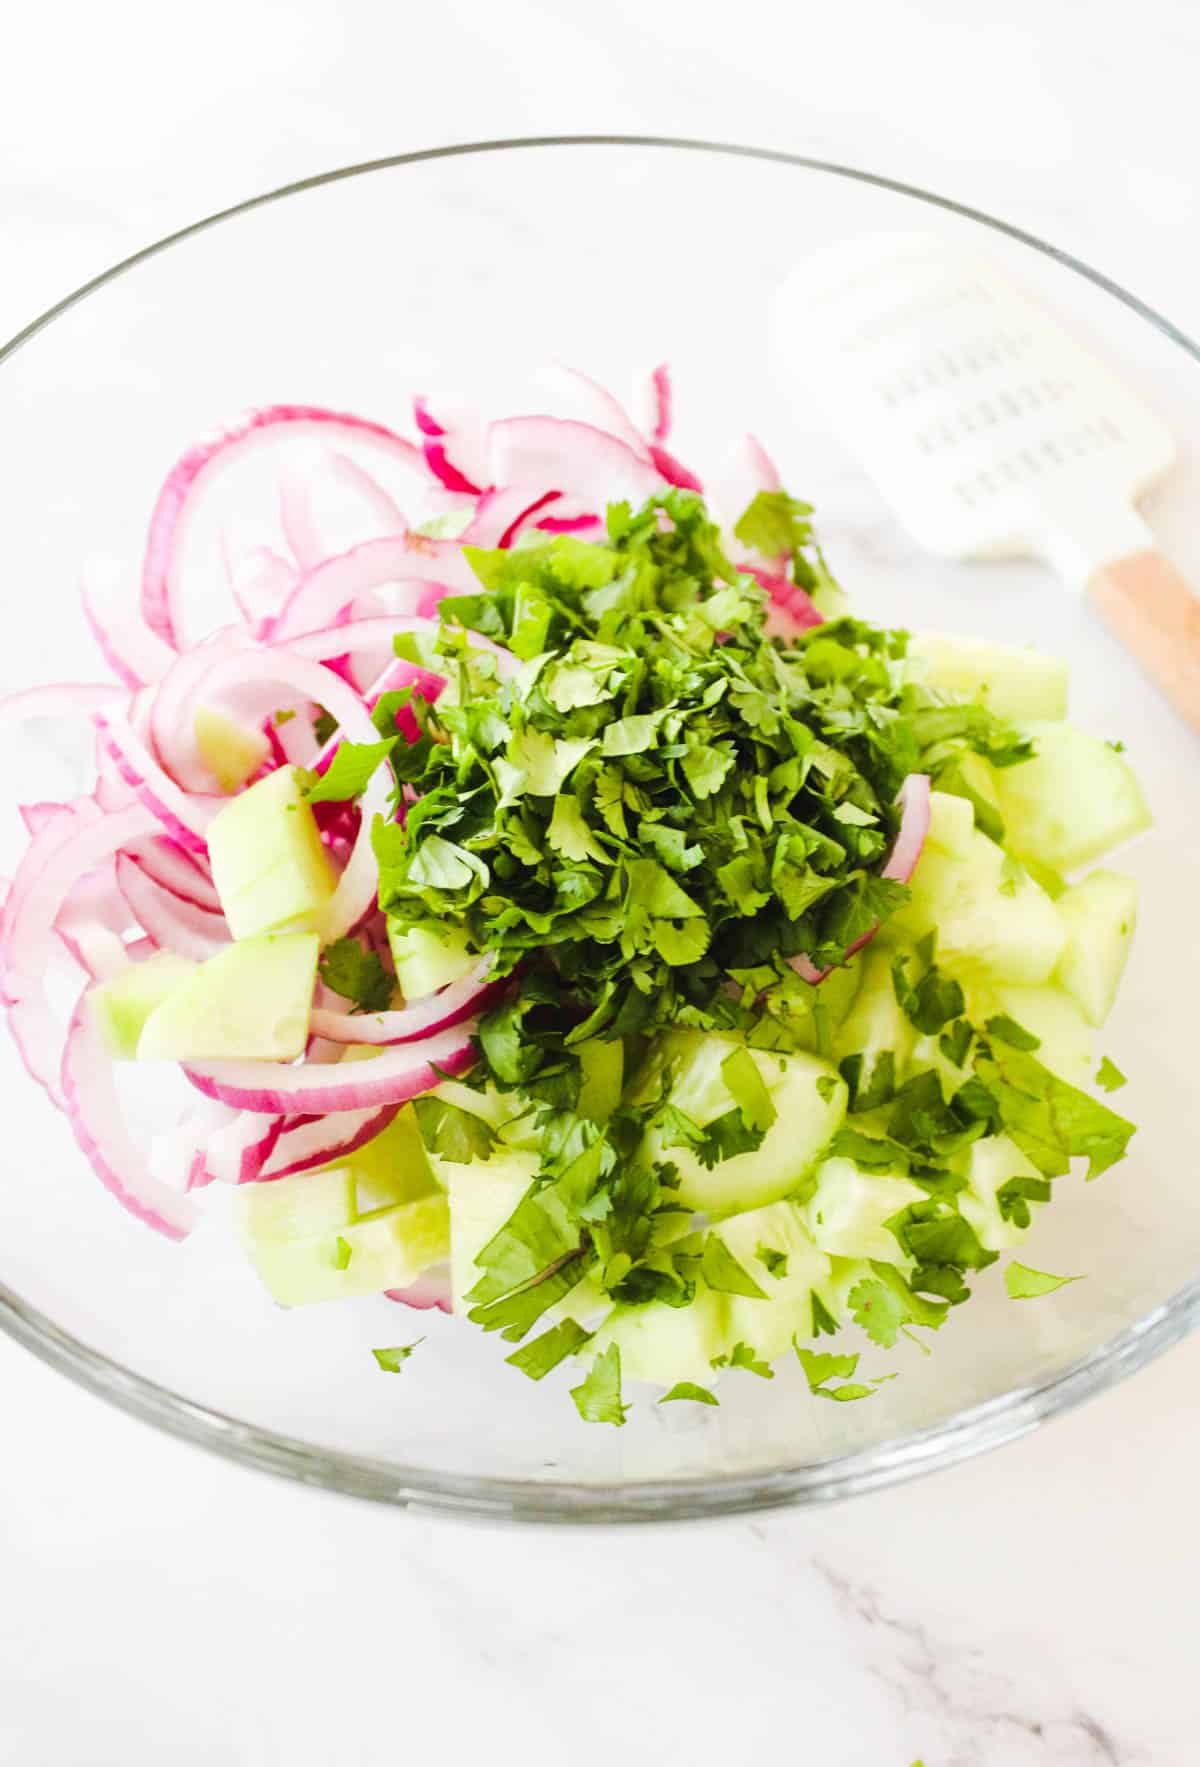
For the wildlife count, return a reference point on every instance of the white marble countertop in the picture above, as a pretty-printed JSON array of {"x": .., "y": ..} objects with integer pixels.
[{"x": 1030, "y": 1609}]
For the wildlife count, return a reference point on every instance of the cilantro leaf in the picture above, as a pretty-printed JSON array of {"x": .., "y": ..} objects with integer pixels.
[
  {"x": 722, "y": 1272},
  {"x": 686, "y": 1389},
  {"x": 1007, "y": 1030},
  {"x": 392, "y": 1360},
  {"x": 452, "y": 1133},
  {"x": 1024, "y": 1284},
  {"x": 1109, "y": 1076},
  {"x": 879, "y": 1311},
  {"x": 357, "y": 974},
  {"x": 742, "y": 1356},
  {"x": 598, "y": 1397},
  {"x": 538, "y": 1357},
  {"x": 823, "y": 1322},
  {"x": 343, "y": 1252},
  {"x": 1051, "y": 1121},
  {"x": 353, "y": 766},
  {"x": 776, "y": 1262}
]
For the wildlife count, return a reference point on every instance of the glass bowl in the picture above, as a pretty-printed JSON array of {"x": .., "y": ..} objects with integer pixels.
[{"x": 462, "y": 270}]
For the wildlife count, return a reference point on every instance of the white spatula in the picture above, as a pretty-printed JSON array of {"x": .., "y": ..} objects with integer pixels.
[{"x": 992, "y": 432}]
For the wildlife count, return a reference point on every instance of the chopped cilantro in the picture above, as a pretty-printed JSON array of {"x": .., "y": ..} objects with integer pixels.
[
  {"x": 342, "y": 1253},
  {"x": 357, "y": 974},
  {"x": 687, "y": 1389},
  {"x": 722, "y": 1272},
  {"x": 776, "y": 1262},
  {"x": 452, "y": 1133},
  {"x": 392, "y": 1361},
  {"x": 598, "y": 1397},
  {"x": 353, "y": 766},
  {"x": 1024, "y": 1284},
  {"x": 823, "y": 1322},
  {"x": 1109, "y": 1076},
  {"x": 742, "y": 1356},
  {"x": 1010, "y": 1032},
  {"x": 324, "y": 724},
  {"x": 284, "y": 716},
  {"x": 538, "y": 1357}
]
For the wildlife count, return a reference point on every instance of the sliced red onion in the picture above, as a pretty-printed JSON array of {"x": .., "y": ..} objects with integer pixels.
[
  {"x": 132, "y": 651},
  {"x": 605, "y": 411},
  {"x": 260, "y": 581},
  {"x": 380, "y": 502},
  {"x": 391, "y": 1078},
  {"x": 54, "y": 862},
  {"x": 66, "y": 699},
  {"x": 173, "y": 924},
  {"x": 901, "y": 862},
  {"x": 424, "y": 1018},
  {"x": 237, "y": 1151},
  {"x": 674, "y": 471},
  {"x": 308, "y": 1142},
  {"x": 93, "y": 1110},
  {"x": 661, "y": 404},
  {"x": 430, "y": 1290},
  {"x": 177, "y": 871},
  {"x": 792, "y": 604},
  {"x": 184, "y": 815},
  {"x": 453, "y": 451},
  {"x": 535, "y": 452},
  {"x": 179, "y": 495},
  {"x": 298, "y": 522},
  {"x": 172, "y": 718},
  {"x": 323, "y": 593},
  {"x": 501, "y": 514}
]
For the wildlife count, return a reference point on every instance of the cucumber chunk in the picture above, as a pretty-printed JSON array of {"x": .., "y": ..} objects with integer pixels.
[
  {"x": 805, "y": 1121},
  {"x": 249, "y": 1002},
  {"x": 1100, "y": 915},
  {"x": 429, "y": 956},
  {"x": 1011, "y": 682},
  {"x": 232, "y": 753},
  {"x": 1073, "y": 802},
  {"x": 993, "y": 1162},
  {"x": 846, "y": 1213},
  {"x": 768, "y": 1326},
  {"x": 120, "y": 1008},
  {"x": 668, "y": 1344},
  {"x": 990, "y": 917},
  {"x": 268, "y": 862}
]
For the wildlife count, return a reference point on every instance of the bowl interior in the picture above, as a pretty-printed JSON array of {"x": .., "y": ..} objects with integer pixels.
[{"x": 463, "y": 275}]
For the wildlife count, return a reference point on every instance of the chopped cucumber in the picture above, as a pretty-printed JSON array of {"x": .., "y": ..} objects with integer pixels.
[
  {"x": 393, "y": 1167},
  {"x": 846, "y": 1213},
  {"x": 1100, "y": 915},
  {"x": 231, "y": 753},
  {"x": 269, "y": 865},
  {"x": 768, "y": 1326},
  {"x": 281, "y": 1210},
  {"x": 483, "y": 1194},
  {"x": 1011, "y": 682},
  {"x": 875, "y": 1025},
  {"x": 429, "y": 956},
  {"x": 372, "y": 1221},
  {"x": 667, "y": 1344},
  {"x": 1073, "y": 802},
  {"x": 1054, "y": 1018},
  {"x": 120, "y": 1007},
  {"x": 387, "y": 1249},
  {"x": 804, "y": 1123},
  {"x": 993, "y": 1162},
  {"x": 250, "y": 1002},
  {"x": 951, "y": 823},
  {"x": 989, "y": 916},
  {"x": 603, "y": 1065}
]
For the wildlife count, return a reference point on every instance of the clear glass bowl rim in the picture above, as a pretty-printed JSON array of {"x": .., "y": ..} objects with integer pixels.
[{"x": 970, "y": 1432}]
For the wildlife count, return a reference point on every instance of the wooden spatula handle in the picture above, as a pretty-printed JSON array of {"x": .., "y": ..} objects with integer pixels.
[{"x": 1148, "y": 607}]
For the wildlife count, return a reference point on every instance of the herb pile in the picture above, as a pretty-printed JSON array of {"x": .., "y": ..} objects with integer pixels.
[{"x": 639, "y": 828}]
